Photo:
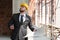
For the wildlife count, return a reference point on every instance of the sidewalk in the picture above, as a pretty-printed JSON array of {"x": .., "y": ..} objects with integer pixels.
[{"x": 5, "y": 38}]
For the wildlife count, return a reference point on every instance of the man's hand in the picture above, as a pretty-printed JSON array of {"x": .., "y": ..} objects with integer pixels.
[{"x": 12, "y": 27}]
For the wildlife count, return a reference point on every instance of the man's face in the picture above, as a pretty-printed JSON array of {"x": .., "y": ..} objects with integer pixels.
[{"x": 22, "y": 9}]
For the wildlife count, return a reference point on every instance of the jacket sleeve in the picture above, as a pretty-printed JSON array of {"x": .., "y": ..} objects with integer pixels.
[
  {"x": 30, "y": 25},
  {"x": 11, "y": 22}
]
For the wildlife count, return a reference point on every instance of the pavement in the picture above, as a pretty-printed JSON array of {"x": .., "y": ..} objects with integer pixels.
[{"x": 5, "y": 38}]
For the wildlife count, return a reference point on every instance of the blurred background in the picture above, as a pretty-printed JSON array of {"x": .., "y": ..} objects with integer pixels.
[{"x": 42, "y": 12}]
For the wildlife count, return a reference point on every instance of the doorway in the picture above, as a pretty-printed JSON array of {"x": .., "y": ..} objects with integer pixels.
[{"x": 5, "y": 15}]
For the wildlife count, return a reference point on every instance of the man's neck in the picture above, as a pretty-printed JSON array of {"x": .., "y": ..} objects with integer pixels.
[{"x": 22, "y": 13}]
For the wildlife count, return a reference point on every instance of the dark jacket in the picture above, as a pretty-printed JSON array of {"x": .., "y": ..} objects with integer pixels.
[{"x": 15, "y": 20}]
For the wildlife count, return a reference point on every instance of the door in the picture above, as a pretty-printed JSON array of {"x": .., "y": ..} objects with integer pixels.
[{"x": 5, "y": 15}]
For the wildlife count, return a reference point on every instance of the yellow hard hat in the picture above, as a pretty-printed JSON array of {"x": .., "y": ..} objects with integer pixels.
[{"x": 25, "y": 5}]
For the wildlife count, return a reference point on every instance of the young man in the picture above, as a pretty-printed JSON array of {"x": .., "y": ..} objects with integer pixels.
[{"x": 19, "y": 23}]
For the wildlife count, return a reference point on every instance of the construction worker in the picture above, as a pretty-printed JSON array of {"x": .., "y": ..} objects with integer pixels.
[{"x": 19, "y": 23}]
